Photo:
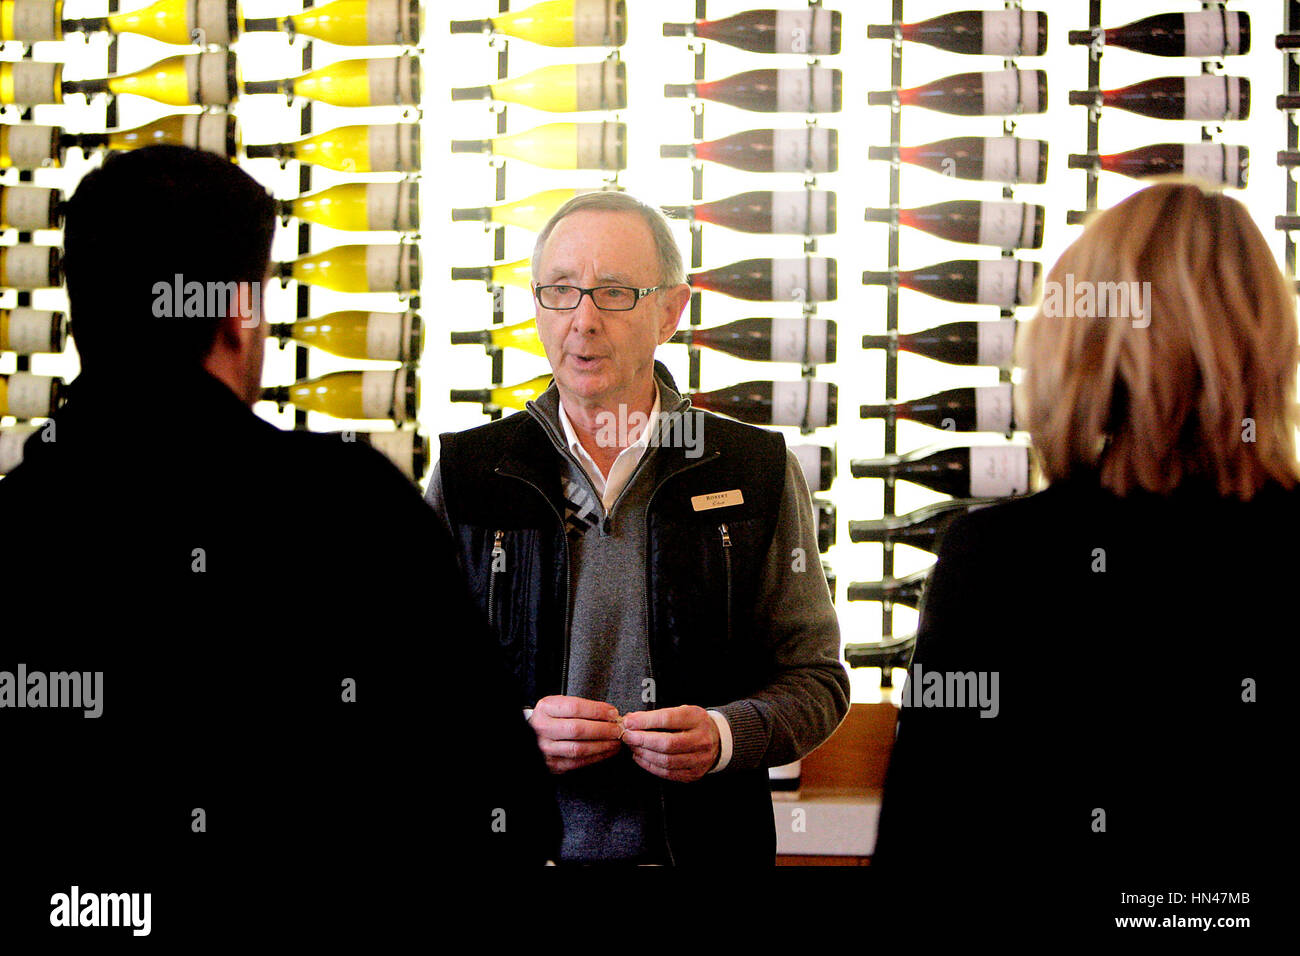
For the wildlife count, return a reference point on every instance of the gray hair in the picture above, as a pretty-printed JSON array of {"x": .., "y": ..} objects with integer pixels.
[{"x": 671, "y": 270}]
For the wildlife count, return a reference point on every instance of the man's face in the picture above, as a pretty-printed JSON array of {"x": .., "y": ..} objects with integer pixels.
[{"x": 598, "y": 357}]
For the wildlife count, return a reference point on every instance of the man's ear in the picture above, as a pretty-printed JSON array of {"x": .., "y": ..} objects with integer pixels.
[{"x": 675, "y": 300}]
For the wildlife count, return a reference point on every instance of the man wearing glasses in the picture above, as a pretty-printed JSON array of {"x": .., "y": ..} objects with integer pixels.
[{"x": 654, "y": 600}]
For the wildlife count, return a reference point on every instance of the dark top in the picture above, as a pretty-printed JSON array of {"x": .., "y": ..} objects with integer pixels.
[
  {"x": 230, "y": 580},
  {"x": 1126, "y": 633}
]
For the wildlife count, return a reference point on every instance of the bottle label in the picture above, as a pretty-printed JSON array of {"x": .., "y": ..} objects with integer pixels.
[
  {"x": 384, "y": 23},
  {"x": 31, "y": 396},
  {"x": 808, "y": 90},
  {"x": 378, "y": 389},
  {"x": 1205, "y": 34},
  {"x": 384, "y": 210},
  {"x": 1004, "y": 31},
  {"x": 993, "y": 410},
  {"x": 1209, "y": 97},
  {"x": 384, "y": 335},
  {"x": 206, "y": 131},
  {"x": 11, "y": 446},
  {"x": 31, "y": 330},
  {"x": 799, "y": 280},
  {"x": 1213, "y": 163},
  {"x": 208, "y": 22},
  {"x": 594, "y": 23},
  {"x": 794, "y": 150},
  {"x": 1003, "y": 224},
  {"x": 598, "y": 87},
  {"x": 810, "y": 463},
  {"x": 995, "y": 342},
  {"x": 1008, "y": 92},
  {"x": 32, "y": 147},
  {"x": 392, "y": 81},
  {"x": 791, "y": 401},
  {"x": 28, "y": 208},
  {"x": 207, "y": 75},
  {"x": 36, "y": 83},
  {"x": 800, "y": 213},
  {"x": 803, "y": 31},
  {"x": 384, "y": 268},
  {"x": 790, "y": 336},
  {"x": 599, "y": 146},
  {"x": 34, "y": 20},
  {"x": 393, "y": 147},
  {"x": 27, "y": 267},
  {"x": 998, "y": 471},
  {"x": 997, "y": 281},
  {"x": 1001, "y": 159},
  {"x": 399, "y": 447}
]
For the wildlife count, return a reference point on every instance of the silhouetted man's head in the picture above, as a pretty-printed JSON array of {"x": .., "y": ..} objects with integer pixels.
[{"x": 138, "y": 233}]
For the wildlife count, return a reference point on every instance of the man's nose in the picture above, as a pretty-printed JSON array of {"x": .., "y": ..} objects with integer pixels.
[{"x": 586, "y": 317}]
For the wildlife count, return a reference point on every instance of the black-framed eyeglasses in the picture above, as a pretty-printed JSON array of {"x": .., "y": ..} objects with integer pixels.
[{"x": 608, "y": 298}]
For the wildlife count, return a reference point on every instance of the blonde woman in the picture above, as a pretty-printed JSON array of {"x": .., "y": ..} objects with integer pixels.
[{"x": 1120, "y": 626}]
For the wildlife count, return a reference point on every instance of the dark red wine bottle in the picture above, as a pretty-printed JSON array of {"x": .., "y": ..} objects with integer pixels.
[
  {"x": 813, "y": 149},
  {"x": 802, "y": 212},
  {"x": 922, "y": 528},
  {"x": 824, "y": 513},
  {"x": 1213, "y": 163},
  {"x": 806, "y": 403},
  {"x": 813, "y": 30},
  {"x": 993, "y": 93},
  {"x": 1006, "y": 225},
  {"x": 964, "y": 471},
  {"x": 1207, "y": 96},
  {"x": 1002, "y": 282},
  {"x": 817, "y": 463},
  {"x": 808, "y": 342},
  {"x": 957, "y": 343},
  {"x": 990, "y": 32},
  {"x": 1203, "y": 33},
  {"x": 1002, "y": 159},
  {"x": 907, "y": 590},
  {"x": 810, "y": 89},
  {"x": 810, "y": 279},
  {"x": 983, "y": 408}
]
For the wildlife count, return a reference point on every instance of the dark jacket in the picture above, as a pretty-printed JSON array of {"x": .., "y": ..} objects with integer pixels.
[
  {"x": 1128, "y": 634},
  {"x": 228, "y": 578},
  {"x": 706, "y": 642}
]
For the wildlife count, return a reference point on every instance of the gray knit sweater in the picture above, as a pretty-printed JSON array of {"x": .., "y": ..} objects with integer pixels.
[{"x": 612, "y": 810}]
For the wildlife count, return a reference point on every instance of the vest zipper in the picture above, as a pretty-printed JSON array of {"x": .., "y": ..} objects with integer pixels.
[
  {"x": 497, "y": 549},
  {"x": 650, "y": 627},
  {"x": 726, "y": 563}
]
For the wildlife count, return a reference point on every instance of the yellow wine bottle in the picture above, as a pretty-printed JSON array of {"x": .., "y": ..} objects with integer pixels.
[
  {"x": 522, "y": 336},
  {"x": 24, "y": 395},
  {"x": 25, "y": 266},
  {"x": 373, "y": 207},
  {"x": 385, "y": 81},
  {"x": 392, "y": 148},
  {"x": 560, "y": 88},
  {"x": 28, "y": 146},
  {"x": 517, "y": 273},
  {"x": 12, "y": 440},
  {"x": 404, "y": 447},
  {"x": 28, "y": 208},
  {"x": 213, "y": 132},
  {"x": 530, "y": 213},
  {"x": 385, "y": 336},
  {"x": 358, "y": 268},
  {"x": 383, "y": 393},
  {"x": 558, "y": 23},
  {"x": 181, "y": 22},
  {"x": 504, "y": 396},
  {"x": 192, "y": 79},
  {"x": 558, "y": 146},
  {"x": 32, "y": 83},
  {"x": 352, "y": 23},
  {"x": 28, "y": 331}
]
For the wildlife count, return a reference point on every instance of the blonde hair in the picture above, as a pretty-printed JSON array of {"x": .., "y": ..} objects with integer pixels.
[{"x": 1196, "y": 379}]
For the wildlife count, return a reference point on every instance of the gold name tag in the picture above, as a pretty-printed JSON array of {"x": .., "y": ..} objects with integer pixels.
[{"x": 717, "y": 499}]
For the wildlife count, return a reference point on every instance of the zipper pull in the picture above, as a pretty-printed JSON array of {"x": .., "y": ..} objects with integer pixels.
[
  {"x": 726, "y": 538},
  {"x": 498, "y": 552}
]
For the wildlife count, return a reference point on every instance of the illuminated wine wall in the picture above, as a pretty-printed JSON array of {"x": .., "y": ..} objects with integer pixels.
[{"x": 459, "y": 140}]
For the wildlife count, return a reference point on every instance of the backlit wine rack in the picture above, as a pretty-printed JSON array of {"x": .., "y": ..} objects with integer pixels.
[{"x": 1288, "y": 41}]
